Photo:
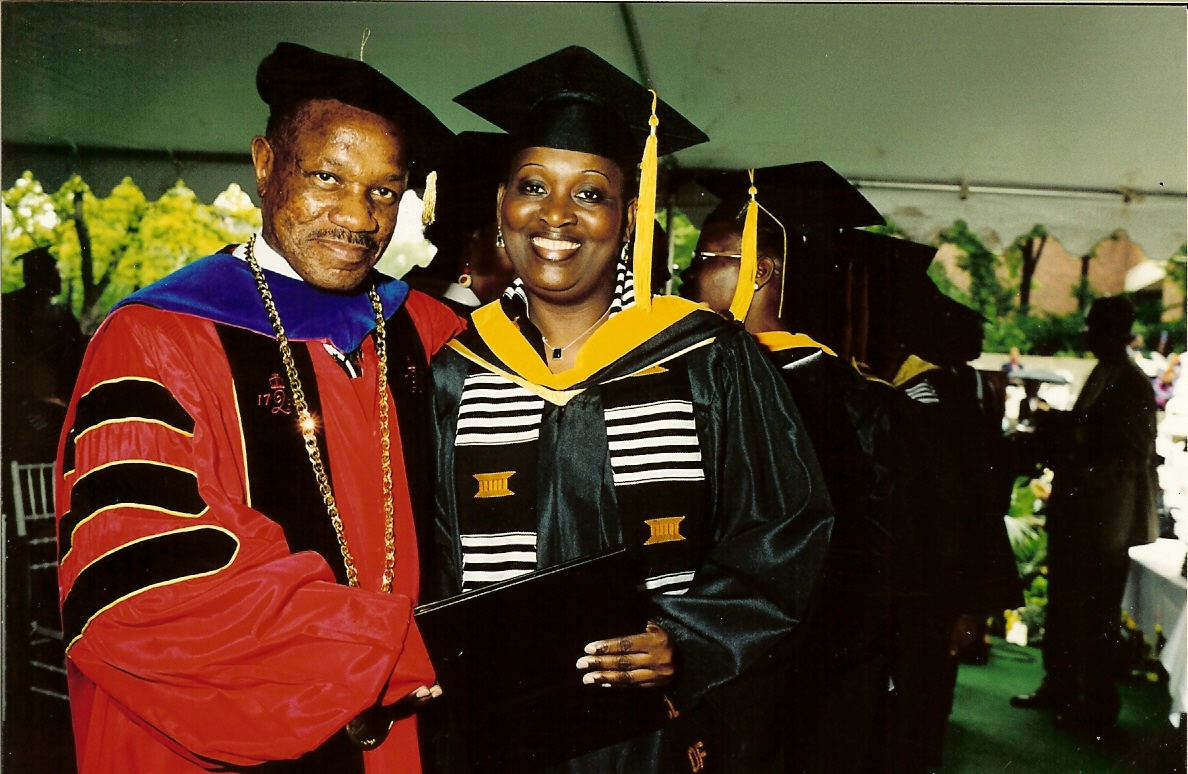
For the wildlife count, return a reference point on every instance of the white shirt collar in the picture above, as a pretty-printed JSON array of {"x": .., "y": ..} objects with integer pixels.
[
  {"x": 267, "y": 258},
  {"x": 273, "y": 261},
  {"x": 458, "y": 294}
]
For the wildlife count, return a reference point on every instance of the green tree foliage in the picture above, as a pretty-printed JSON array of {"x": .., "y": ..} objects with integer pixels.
[
  {"x": 132, "y": 241},
  {"x": 993, "y": 284},
  {"x": 682, "y": 239},
  {"x": 945, "y": 283},
  {"x": 1045, "y": 334},
  {"x": 30, "y": 220},
  {"x": 889, "y": 228},
  {"x": 1177, "y": 268},
  {"x": 1021, "y": 259},
  {"x": 987, "y": 294}
]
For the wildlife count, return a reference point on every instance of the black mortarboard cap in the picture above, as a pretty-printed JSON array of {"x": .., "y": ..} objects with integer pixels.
[
  {"x": 885, "y": 251},
  {"x": 805, "y": 197},
  {"x": 39, "y": 268},
  {"x": 575, "y": 100},
  {"x": 293, "y": 73},
  {"x": 948, "y": 332},
  {"x": 905, "y": 300},
  {"x": 897, "y": 276},
  {"x": 1112, "y": 315},
  {"x": 37, "y": 258}
]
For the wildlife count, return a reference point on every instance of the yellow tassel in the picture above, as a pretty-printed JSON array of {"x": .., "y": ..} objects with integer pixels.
[
  {"x": 749, "y": 265},
  {"x": 645, "y": 216},
  {"x": 783, "y": 265},
  {"x": 429, "y": 200},
  {"x": 366, "y": 37}
]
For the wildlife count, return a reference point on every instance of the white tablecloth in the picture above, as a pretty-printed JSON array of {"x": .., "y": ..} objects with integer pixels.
[{"x": 1156, "y": 595}]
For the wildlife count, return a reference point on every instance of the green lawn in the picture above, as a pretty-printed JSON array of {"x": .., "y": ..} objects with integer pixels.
[{"x": 986, "y": 735}]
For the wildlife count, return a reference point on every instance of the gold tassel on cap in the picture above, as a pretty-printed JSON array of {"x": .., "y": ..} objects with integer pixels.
[
  {"x": 429, "y": 200},
  {"x": 783, "y": 267},
  {"x": 749, "y": 265},
  {"x": 645, "y": 216}
]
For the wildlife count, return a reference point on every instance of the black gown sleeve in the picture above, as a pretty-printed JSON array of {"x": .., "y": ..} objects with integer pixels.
[
  {"x": 770, "y": 521},
  {"x": 442, "y": 569}
]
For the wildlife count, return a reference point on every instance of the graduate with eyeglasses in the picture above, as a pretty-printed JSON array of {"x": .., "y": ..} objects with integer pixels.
[{"x": 769, "y": 256}]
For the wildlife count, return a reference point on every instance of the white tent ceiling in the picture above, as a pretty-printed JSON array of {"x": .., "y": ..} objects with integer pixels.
[{"x": 1074, "y": 100}]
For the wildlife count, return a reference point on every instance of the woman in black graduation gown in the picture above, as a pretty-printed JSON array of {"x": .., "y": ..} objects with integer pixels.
[{"x": 579, "y": 413}]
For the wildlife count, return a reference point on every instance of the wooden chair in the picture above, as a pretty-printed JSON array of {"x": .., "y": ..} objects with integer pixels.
[{"x": 33, "y": 512}]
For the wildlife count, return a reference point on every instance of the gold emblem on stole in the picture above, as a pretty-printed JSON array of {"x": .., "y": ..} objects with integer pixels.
[
  {"x": 493, "y": 484},
  {"x": 666, "y": 530}
]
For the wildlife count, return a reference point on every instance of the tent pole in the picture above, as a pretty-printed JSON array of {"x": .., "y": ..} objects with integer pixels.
[
  {"x": 1126, "y": 194},
  {"x": 633, "y": 38}
]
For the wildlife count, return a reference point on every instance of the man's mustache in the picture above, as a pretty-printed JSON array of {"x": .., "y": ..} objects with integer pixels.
[{"x": 350, "y": 237}]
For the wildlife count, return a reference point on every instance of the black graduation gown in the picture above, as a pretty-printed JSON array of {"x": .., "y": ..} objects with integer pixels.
[
  {"x": 756, "y": 543},
  {"x": 838, "y": 678},
  {"x": 952, "y": 550}
]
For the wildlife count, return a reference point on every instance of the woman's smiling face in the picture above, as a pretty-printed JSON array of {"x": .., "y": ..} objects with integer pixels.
[{"x": 565, "y": 219}]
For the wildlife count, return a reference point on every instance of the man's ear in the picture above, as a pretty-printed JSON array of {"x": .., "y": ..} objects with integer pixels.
[
  {"x": 764, "y": 271},
  {"x": 263, "y": 160}
]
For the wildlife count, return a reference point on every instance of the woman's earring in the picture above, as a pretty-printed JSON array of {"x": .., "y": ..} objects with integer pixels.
[
  {"x": 499, "y": 236},
  {"x": 465, "y": 279},
  {"x": 623, "y": 255}
]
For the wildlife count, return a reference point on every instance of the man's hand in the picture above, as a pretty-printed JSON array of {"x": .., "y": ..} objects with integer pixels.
[
  {"x": 370, "y": 728},
  {"x": 415, "y": 700},
  {"x": 645, "y": 660},
  {"x": 964, "y": 634}
]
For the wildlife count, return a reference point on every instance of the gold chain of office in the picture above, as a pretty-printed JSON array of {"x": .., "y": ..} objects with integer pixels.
[{"x": 308, "y": 426}]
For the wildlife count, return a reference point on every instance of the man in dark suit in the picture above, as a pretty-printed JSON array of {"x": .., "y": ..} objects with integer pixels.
[{"x": 1102, "y": 503}]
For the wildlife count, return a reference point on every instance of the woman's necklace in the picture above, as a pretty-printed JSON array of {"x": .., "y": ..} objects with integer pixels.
[
  {"x": 308, "y": 424},
  {"x": 557, "y": 352}
]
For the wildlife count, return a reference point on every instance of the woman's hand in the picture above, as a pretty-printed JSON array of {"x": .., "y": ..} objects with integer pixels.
[{"x": 645, "y": 660}]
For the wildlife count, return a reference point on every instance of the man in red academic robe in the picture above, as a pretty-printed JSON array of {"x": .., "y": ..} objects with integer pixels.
[{"x": 238, "y": 561}]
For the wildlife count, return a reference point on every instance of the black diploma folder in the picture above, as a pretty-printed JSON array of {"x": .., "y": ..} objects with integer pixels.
[{"x": 505, "y": 658}]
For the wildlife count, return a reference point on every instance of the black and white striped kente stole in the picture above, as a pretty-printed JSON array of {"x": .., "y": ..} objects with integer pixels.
[
  {"x": 656, "y": 467},
  {"x": 655, "y": 460},
  {"x": 495, "y": 460},
  {"x": 659, "y": 478}
]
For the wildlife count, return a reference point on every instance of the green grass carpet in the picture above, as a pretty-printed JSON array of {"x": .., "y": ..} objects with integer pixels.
[{"x": 988, "y": 736}]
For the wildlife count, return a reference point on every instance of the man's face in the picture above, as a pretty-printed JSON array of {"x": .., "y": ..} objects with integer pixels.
[
  {"x": 330, "y": 191},
  {"x": 712, "y": 275}
]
